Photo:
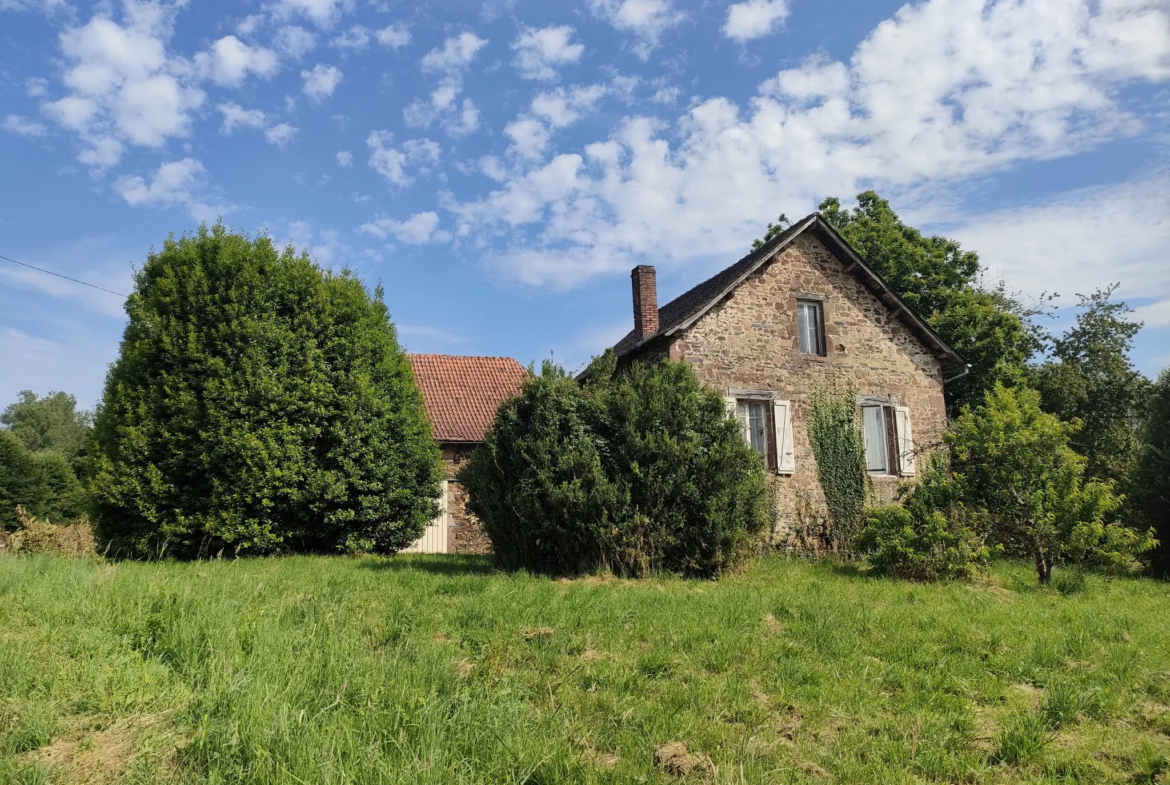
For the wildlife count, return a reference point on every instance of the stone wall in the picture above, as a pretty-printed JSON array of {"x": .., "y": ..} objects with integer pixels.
[
  {"x": 749, "y": 341},
  {"x": 465, "y": 533}
]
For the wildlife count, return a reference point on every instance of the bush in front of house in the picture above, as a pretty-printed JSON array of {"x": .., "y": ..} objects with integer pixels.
[
  {"x": 930, "y": 536},
  {"x": 258, "y": 404},
  {"x": 638, "y": 471}
]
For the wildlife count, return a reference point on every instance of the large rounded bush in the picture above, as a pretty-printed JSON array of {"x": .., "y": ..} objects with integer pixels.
[
  {"x": 259, "y": 403},
  {"x": 637, "y": 471}
]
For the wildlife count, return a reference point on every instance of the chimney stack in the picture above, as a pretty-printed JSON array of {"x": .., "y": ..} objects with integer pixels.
[{"x": 645, "y": 301}]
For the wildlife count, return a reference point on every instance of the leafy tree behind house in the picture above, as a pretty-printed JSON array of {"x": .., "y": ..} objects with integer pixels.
[
  {"x": 258, "y": 404},
  {"x": 1090, "y": 379},
  {"x": 941, "y": 281},
  {"x": 1151, "y": 478},
  {"x": 637, "y": 471},
  {"x": 1013, "y": 462}
]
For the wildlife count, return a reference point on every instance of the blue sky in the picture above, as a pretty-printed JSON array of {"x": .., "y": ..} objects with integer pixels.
[{"x": 500, "y": 166}]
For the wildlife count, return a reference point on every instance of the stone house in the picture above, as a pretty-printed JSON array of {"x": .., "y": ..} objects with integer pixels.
[
  {"x": 801, "y": 312},
  {"x": 461, "y": 395}
]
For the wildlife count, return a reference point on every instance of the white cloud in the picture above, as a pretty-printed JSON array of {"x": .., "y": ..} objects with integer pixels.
[
  {"x": 539, "y": 52},
  {"x": 323, "y": 13},
  {"x": 321, "y": 81},
  {"x": 646, "y": 19},
  {"x": 456, "y": 54},
  {"x": 345, "y": 158},
  {"x": 463, "y": 122},
  {"x": 356, "y": 38},
  {"x": 250, "y": 24},
  {"x": 174, "y": 183},
  {"x": 529, "y": 137},
  {"x": 754, "y": 19},
  {"x": 415, "y": 230},
  {"x": 122, "y": 85},
  {"x": 36, "y": 87},
  {"x": 942, "y": 92},
  {"x": 231, "y": 60},
  {"x": 235, "y": 115},
  {"x": 1082, "y": 240},
  {"x": 394, "y": 36},
  {"x": 392, "y": 163},
  {"x": 280, "y": 135},
  {"x": 295, "y": 41},
  {"x": 562, "y": 107},
  {"x": 24, "y": 126},
  {"x": 667, "y": 95}
]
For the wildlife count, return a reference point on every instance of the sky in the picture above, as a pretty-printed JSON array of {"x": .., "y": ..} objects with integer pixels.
[{"x": 500, "y": 166}]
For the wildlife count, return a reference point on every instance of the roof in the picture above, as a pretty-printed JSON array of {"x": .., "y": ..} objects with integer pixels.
[
  {"x": 684, "y": 310},
  {"x": 462, "y": 393}
]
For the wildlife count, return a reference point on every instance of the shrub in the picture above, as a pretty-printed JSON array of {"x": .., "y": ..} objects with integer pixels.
[
  {"x": 931, "y": 536},
  {"x": 74, "y": 540},
  {"x": 259, "y": 403},
  {"x": 839, "y": 448},
  {"x": 42, "y": 482},
  {"x": 638, "y": 471}
]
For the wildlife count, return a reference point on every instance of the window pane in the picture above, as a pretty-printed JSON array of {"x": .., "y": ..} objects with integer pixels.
[
  {"x": 808, "y": 324},
  {"x": 875, "y": 438},
  {"x": 758, "y": 428},
  {"x": 802, "y": 327}
]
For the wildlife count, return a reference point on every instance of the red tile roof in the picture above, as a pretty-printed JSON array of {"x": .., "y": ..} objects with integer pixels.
[{"x": 463, "y": 393}]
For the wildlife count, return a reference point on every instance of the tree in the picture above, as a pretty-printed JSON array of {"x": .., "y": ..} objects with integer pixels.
[
  {"x": 258, "y": 403},
  {"x": 1012, "y": 461},
  {"x": 1090, "y": 379},
  {"x": 42, "y": 482},
  {"x": 51, "y": 422},
  {"x": 1151, "y": 483},
  {"x": 941, "y": 281},
  {"x": 773, "y": 229},
  {"x": 638, "y": 471}
]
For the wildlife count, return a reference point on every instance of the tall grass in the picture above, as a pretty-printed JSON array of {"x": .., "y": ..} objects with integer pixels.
[{"x": 439, "y": 670}]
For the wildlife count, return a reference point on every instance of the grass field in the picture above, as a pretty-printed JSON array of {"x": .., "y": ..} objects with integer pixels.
[{"x": 437, "y": 669}]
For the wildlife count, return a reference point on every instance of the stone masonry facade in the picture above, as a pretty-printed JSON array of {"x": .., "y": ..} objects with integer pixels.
[
  {"x": 465, "y": 533},
  {"x": 749, "y": 341}
]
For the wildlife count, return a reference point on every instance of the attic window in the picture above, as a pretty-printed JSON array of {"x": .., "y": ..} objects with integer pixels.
[{"x": 810, "y": 323}]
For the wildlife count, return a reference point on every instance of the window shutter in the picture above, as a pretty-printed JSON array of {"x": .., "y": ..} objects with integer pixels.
[
  {"x": 732, "y": 408},
  {"x": 785, "y": 451},
  {"x": 905, "y": 441},
  {"x": 875, "y": 438}
]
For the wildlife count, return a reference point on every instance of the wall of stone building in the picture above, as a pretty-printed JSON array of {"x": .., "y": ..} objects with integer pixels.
[
  {"x": 749, "y": 341},
  {"x": 465, "y": 533}
]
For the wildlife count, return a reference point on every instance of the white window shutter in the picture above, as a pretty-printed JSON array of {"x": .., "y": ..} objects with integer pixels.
[
  {"x": 732, "y": 408},
  {"x": 785, "y": 450},
  {"x": 905, "y": 440},
  {"x": 875, "y": 438}
]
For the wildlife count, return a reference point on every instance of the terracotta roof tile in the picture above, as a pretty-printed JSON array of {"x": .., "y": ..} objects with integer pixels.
[{"x": 462, "y": 394}]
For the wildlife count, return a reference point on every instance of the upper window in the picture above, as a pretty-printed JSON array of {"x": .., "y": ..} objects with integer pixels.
[
  {"x": 810, "y": 324},
  {"x": 889, "y": 446}
]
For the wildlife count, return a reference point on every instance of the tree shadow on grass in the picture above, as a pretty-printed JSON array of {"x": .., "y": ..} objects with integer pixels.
[{"x": 435, "y": 563}]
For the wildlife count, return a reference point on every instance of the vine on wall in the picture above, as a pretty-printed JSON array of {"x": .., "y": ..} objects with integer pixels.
[{"x": 839, "y": 448}]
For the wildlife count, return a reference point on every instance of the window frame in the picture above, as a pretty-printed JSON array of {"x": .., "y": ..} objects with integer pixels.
[
  {"x": 765, "y": 399},
  {"x": 817, "y": 308},
  {"x": 892, "y": 439}
]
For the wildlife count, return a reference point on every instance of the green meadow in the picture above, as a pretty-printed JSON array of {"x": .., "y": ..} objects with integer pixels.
[{"x": 432, "y": 669}]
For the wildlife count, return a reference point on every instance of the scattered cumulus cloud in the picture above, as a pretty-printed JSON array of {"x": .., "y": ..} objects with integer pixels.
[
  {"x": 356, "y": 38},
  {"x": 415, "y": 230},
  {"x": 455, "y": 55},
  {"x": 280, "y": 135},
  {"x": 754, "y": 19},
  {"x": 323, "y": 13},
  {"x": 345, "y": 158},
  {"x": 24, "y": 126},
  {"x": 647, "y": 20},
  {"x": 392, "y": 163},
  {"x": 174, "y": 183},
  {"x": 321, "y": 81},
  {"x": 394, "y": 36},
  {"x": 235, "y": 116},
  {"x": 230, "y": 61},
  {"x": 295, "y": 41},
  {"x": 539, "y": 52}
]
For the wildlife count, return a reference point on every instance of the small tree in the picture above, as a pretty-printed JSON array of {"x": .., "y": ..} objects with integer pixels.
[
  {"x": 51, "y": 422},
  {"x": 1013, "y": 461},
  {"x": 638, "y": 471},
  {"x": 1152, "y": 474},
  {"x": 839, "y": 448},
  {"x": 259, "y": 403},
  {"x": 41, "y": 482}
]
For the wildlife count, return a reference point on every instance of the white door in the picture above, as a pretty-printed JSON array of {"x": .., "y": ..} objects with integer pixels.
[{"x": 434, "y": 539}]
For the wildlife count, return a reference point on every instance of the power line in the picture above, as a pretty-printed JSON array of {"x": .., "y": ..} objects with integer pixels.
[{"x": 66, "y": 277}]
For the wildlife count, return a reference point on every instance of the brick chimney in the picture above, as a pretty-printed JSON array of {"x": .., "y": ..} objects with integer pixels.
[{"x": 645, "y": 301}]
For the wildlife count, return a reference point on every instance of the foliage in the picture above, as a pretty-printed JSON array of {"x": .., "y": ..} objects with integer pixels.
[
  {"x": 259, "y": 403},
  {"x": 839, "y": 448},
  {"x": 51, "y": 422},
  {"x": 773, "y": 229},
  {"x": 42, "y": 482},
  {"x": 1090, "y": 379},
  {"x": 1013, "y": 461},
  {"x": 438, "y": 669},
  {"x": 638, "y": 471},
  {"x": 1151, "y": 485},
  {"x": 37, "y": 536},
  {"x": 931, "y": 536},
  {"x": 941, "y": 281}
]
